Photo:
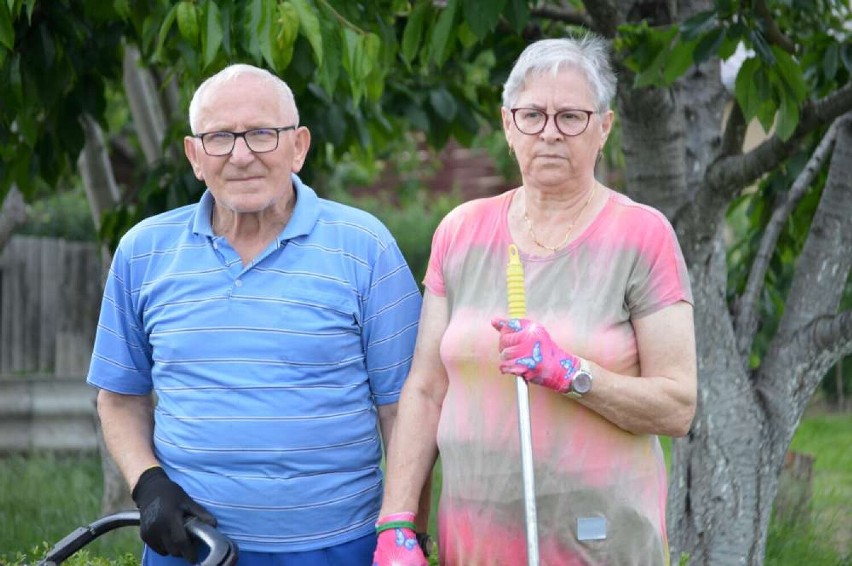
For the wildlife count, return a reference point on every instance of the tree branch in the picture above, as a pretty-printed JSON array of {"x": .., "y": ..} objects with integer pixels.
[
  {"x": 735, "y": 131},
  {"x": 793, "y": 366},
  {"x": 560, "y": 14},
  {"x": 773, "y": 34},
  {"x": 730, "y": 173},
  {"x": 747, "y": 316},
  {"x": 832, "y": 334},
  {"x": 604, "y": 15}
]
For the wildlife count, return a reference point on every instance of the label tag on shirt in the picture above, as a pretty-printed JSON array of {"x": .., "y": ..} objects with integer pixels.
[{"x": 591, "y": 528}]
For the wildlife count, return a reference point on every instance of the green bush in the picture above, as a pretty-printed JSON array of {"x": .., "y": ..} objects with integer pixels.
[
  {"x": 64, "y": 214},
  {"x": 412, "y": 221}
]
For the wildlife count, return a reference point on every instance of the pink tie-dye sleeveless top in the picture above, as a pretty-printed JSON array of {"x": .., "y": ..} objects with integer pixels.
[{"x": 590, "y": 475}]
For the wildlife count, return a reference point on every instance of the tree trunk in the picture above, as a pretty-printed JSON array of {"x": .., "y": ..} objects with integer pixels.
[
  {"x": 103, "y": 193},
  {"x": 725, "y": 472}
]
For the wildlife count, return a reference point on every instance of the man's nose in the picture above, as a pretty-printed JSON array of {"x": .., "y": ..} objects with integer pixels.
[{"x": 241, "y": 148}]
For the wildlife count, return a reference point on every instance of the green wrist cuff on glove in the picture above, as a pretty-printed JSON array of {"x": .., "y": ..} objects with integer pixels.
[{"x": 395, "y": 525}]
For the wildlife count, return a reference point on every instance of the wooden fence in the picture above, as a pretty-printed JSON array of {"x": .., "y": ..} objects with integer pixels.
[
  {"x": 39, "y": 414},
  {"x": 50, "y": 294}
]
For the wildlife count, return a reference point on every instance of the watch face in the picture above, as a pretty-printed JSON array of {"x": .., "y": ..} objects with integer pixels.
[{"x": 582, "y": 383}]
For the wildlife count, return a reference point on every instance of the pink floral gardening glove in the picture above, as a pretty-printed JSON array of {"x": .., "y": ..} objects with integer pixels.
[
  {"x": 528, "y": 351},
  {"x": 397, "y": 544}
]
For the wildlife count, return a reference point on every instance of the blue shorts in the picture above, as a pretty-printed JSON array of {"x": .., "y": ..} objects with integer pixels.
[{"x": 358, "y": 552}]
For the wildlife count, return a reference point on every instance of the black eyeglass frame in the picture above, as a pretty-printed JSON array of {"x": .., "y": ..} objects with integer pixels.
[
  {"x": 242, "y": 134},
  {"x": 547, "y": 117}
]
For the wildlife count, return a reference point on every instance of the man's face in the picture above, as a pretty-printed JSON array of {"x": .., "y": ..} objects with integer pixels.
[{"x": 244, "y": 181}]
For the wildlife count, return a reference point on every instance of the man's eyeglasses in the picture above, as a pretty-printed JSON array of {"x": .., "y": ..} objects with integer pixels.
[
  {"x": 532, "y": 121},
  {"x": 258, "y": 140}
]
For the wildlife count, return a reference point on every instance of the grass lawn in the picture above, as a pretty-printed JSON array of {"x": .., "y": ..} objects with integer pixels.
[
  {"x": 828, "y": 438},
  {"x": 44, "y": 498}
]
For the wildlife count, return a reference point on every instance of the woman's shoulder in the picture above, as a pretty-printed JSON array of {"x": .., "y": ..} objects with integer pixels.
[
  {"x": 635, "y": 214},
  {"x": 478, "y": 208}
]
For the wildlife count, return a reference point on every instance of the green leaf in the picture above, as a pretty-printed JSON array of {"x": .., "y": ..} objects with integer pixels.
[
  {"x": 791, "y": 73},
  {"x": 443, "y": 103},
  {"x": 7, "y": 31},
  {"x": 761, "y": 46},
  {"x": 788, "y": 118},
  {"x": 709, "y": 44},
  {"x": 266, "y": 32},
  {"x": 482, "y": 16},
  {"x": 164, "y": 31},
  {"x": 745, "y": 88},
  {"x": 285, "y": 32},
  {"x": 465, "y": 36},
  {"x": 846, "y": 55},
  {"x": 369, "y": 55},
  {"x": 332, "y": 53},
  {"x": 765, "y": 113},
  {"x": 517, "y": 13},
  {"x": 441, "y": 36},
  {"x": 831, "y": 61},
  {"x": 211, "y": 41},
  {"x": 679, "y": 60},
  {"x": 729, "y": 46},
  {"x": 187, "y": 20},
  {"x": 351, "y": 42},
  {"x": 351, "y": 45},
  {"x": 253, "y": 36},
  {"x": 310, "y": 27},
  {"x": 413, "y": 31},
  {"x": 698, "y": 25}
]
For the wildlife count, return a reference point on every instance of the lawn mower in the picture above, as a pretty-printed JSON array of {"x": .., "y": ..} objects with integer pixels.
[{"x": 222, "y": 550}]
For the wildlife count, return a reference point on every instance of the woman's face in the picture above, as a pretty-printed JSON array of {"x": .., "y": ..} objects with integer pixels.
[{"x": 551, "y": 158}]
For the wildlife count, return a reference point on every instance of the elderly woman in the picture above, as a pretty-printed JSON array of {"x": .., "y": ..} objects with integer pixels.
[{"x": 608, "y": 347}]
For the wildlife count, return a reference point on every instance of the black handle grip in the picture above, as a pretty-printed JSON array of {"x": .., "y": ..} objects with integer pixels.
[{"x": 223, "y": 551}]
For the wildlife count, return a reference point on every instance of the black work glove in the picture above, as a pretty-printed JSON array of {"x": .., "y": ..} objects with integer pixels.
[{"x": 164, "y": 507}]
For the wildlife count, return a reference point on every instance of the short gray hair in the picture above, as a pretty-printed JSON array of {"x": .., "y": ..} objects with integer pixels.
[
  {"x": 589, "y": 53},
  {"x": 229, "y": 73}
]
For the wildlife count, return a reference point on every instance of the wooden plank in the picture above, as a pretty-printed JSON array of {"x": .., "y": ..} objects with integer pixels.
[
  {"x": 50, "y": 295},
  {"x": 5, "y": 326},
  {"x": 15, "y": 312},
  {"x": 50, "y": 309},
  {"x": 81, "y": 299},
  {"x": 31, "y": 297}
]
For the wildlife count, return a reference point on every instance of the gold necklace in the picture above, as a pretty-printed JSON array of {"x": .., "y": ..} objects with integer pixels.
[{"x": 558, "y": 246}]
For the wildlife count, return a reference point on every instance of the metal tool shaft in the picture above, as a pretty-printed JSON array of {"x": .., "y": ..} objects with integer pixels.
[{"x": 518, "y": 309}]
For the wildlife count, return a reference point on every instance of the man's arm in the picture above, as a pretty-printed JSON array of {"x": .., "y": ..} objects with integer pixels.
[{"x": 128, "y": 427}]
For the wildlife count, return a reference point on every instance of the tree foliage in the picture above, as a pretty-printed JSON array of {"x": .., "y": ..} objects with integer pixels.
[{"x": 369, "y": 73}]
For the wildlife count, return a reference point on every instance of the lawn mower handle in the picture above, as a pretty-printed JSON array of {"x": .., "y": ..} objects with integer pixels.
[{"x": 223, "y": 551}]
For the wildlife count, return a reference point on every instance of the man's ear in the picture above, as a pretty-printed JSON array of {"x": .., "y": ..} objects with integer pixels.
[
  {"x": 190, "y": 148},
  {"x": 301, "y": 145}
]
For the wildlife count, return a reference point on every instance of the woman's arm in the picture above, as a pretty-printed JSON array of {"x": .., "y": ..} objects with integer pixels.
[
  {"x": 413, "y": 445},
  {"x": 662, "y": 400}
]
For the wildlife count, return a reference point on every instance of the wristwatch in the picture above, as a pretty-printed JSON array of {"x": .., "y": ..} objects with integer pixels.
[
  {"x": 581, "y": 383},
  {"x": 426, "y": 543}
]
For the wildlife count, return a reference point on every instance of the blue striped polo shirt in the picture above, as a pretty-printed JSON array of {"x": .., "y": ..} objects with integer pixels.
[{"x": 267, "y": 375}]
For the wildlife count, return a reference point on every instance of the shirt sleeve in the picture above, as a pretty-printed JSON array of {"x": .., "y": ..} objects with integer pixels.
[
  {"x": 121, "y": 358},
  {"x": 434, "y": 278},
  {"x": 391, "y": 311},
  {"x": 660, "y": 277}
]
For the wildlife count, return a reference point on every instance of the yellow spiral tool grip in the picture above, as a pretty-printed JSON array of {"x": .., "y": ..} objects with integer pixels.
[{"x": 515, "y": 284}]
